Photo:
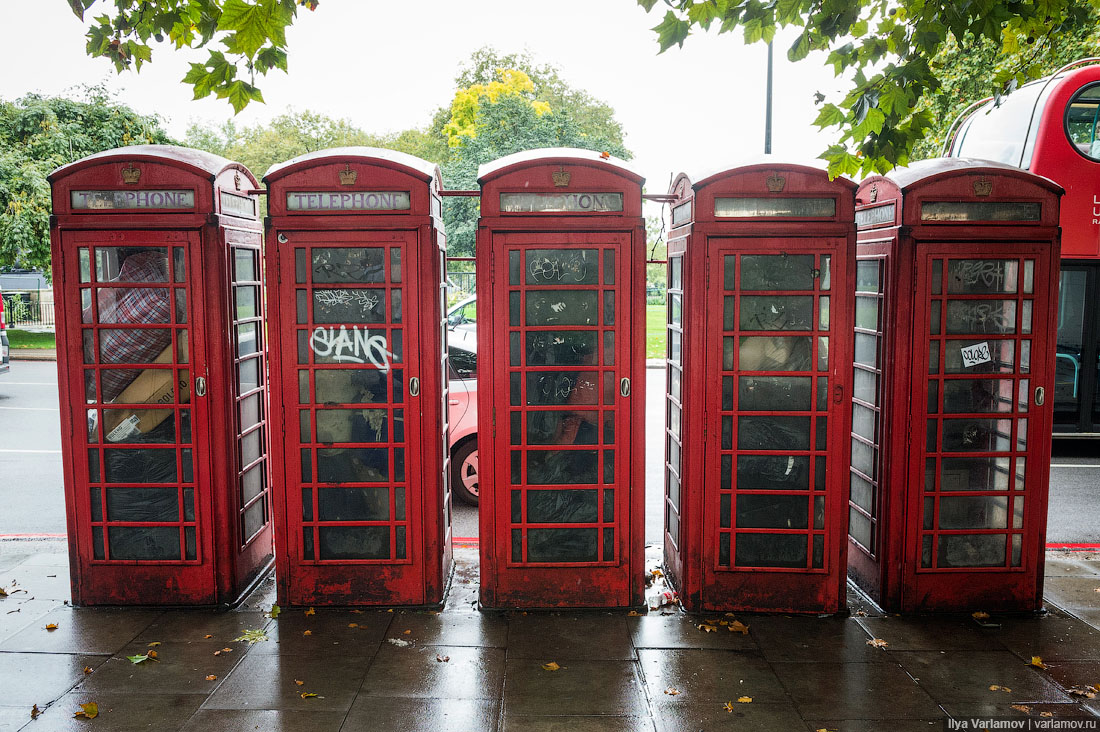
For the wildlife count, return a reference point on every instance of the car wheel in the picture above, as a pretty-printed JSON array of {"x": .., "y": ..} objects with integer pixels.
[{"x": 464, "y": 472}]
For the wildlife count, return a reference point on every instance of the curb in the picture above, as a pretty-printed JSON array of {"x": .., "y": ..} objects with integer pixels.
[{"x": 32, "y": 354}]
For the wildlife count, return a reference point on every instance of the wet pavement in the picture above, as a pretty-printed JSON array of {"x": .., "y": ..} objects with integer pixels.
[{"x": 465, "y": 669}]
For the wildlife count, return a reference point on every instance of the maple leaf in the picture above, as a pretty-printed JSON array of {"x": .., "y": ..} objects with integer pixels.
[
  {"x": 87, "y": 669},
  {"x": 1046, "y": 714},
  {"x": 407, "y": 632},
  {"x": 707, "y": 628},
  {"x": 1086, "y": 692},
  {"x": 552, "y": 666},
  {"x": 310, "y": 611},
  {"x": 35, "y": 711},
  {"x": 1037, "y": 662},
  {"x": 142, "y": 657},
  {"x": 87, "y": 711},
  {"x": 273, "y": 613},
  {"x": 729, "y": 706},
  {"x": 208, "y": 636},
  {"x": 998, "y": 687},
  {"x": 307, "y": 632},
  {"x": 738, "y": 627},
  {"x": 877, "y": 643},
  {"x": 980, "y": 615},
  {"x": 1022, "y": 708},
  {"x": 299, "y": 683},
  {"x": 744, "y": 700},
  {"x": 4, "y": 593},
  {"x": 51, "y": 626},
  {"x": 211, "y": 677},
  {"x": 353, "y": 625}
]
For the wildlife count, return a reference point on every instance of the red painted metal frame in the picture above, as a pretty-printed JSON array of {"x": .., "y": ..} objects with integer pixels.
[
  {"x": 699, "y": 241},
  {"x": 421, "y": 575},
  {"x": 891, "y": 571},
  {"x": 619, "y": 581},
  {"x": 225, "y": 561}
]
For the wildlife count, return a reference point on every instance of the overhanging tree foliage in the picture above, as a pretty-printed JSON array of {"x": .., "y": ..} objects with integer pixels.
[
  {"x": 244, "y": 38},
  {"x": 38, "y": 134},
  {"x": 885, "y": 49}
]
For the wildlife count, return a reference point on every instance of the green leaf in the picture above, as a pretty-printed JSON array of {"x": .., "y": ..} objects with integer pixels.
[
  {"x": 801, "y": 47},
  {"x": 871, "y": 124},
  {"x": 79, "y": 6},
  {"x": 252, "y": 636},
  {"x": 647, "y": 4},
  {"x": 672, "y": 31},
  {"x": 830, "y": 116},
  {"x": 142, "y": 658},
  {"x": 252, "y": 26},
  {"x": 274, "y": 612},
  {"x": 270, "y": 58},
  {"x": 893, "y": 100},
  {"x": 788, "y": 12}
]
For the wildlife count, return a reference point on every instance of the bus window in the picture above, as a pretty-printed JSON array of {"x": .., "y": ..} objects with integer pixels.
[
  {"x": 1082, "y": 114},
  {"x": 1000, "y": 133}
]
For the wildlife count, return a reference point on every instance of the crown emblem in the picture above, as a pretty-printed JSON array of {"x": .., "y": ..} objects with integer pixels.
[
  {"x": 130, "y": 174},
  {"x": 874, "y": 192},
  {"x": 561, "y": 178},
  {"x": 348, "y": 176},
  {"x": 983, "y": 187},
  {"x": 776, "y": 183}
]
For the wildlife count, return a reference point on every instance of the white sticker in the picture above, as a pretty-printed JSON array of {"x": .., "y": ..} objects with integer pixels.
[
  {"x": 975, "y": 354},
  {"x": 126, "y": 428}
]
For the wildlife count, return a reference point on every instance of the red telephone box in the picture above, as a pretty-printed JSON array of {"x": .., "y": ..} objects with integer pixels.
[
  {"x": 955, "y": 314},
  {"x": 561, "y": 304},
  {"x": 160, "y": 328},
  {"x": 760, "y": 271},
  {"x": 357, "y": 274}
]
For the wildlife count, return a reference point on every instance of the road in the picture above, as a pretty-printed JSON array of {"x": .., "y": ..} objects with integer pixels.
[{"x": 32, "y": 497}]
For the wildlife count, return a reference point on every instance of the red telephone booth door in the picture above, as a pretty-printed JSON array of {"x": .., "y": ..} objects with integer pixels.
[
  {"x": 139, "y": 438},
  {"x": 351, "y": 439},
  {"x": 978, "y": 512},
  {"x": 562, "y": 442},
  {"x": 775, "y": 498}
]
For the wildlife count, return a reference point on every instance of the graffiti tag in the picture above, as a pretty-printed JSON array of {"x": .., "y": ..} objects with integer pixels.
[{"x": 351, "y": 346}]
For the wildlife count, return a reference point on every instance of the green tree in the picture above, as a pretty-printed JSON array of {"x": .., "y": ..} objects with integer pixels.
[
  {"x": 886, "y": 50},
  {"x": 966, "y": 74},
  {"x": 243, "y": 37},
  {"x": 39, "y": 134}
]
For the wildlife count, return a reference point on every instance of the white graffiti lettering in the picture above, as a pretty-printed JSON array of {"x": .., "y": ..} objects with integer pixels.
[{"x": 351, "y": 346}]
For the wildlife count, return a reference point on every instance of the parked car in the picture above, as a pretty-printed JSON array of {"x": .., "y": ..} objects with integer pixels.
[
  {"x": 5, "y": 351},
  {"x": 463, "y": 416},
  {"x": 462, "y": 324}
]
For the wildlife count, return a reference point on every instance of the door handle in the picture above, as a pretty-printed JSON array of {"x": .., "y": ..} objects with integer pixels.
[
  {"x": 624, "y": 387},
  {"x": 414, "y": 386},
  {"x": 1040, "y": 396},
  {"x": 200, "y": 386}
]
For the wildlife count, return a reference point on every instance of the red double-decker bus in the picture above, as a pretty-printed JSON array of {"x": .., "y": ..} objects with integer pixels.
[{"x": 1050, "y": 127}]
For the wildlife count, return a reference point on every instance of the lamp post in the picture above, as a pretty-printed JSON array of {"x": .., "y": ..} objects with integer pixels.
[{"x": 768, "y": 106}]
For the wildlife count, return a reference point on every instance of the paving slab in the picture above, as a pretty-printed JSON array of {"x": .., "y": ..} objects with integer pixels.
[
  {"x": 41, "y": 678},
  {"x": 330, "y": 632},
  {"x": 551, "y": 637},
  {"x": 192, "y": 626},
  {"x": 1052, "y": 638},
  {"x": 179, "y": 668},
  {"x": 484, "y": 630},
  {"x": 1069, "y": 568},
  {"x": 265, "y": 720},
  {"x": 402, "y": 714},
  {"x": 682, "y": 631},
  {"x": 876, "y": 725},
  {"x": 1016, "y": 710},
  {"x": 14, "y": 718},
  {"x": 16, "y": 612},
  {"x": 584, "y": 688},
  {"x": 268, "y": 681},
  {"x": 687, "y": 716},
  {"x": 41, "y": 581},
  {"x": 435, "y": 672},
  {"x": 882, "y": 691},
  {"x": 929, "y": 633},
  {"x": 1073, "y": 593},
  {"x": 794, "y": 639},
  {"x": 577, "y": 724},
  {"x": 979, "y": 677},
  {"x": 119, "y": 712},
  {"x": 87, "y": 630},
  {"x": 704, "y": 675}
]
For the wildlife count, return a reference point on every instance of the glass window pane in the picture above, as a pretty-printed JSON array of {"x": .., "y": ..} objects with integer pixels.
[
  {"x": 774, "y": 393},
  {"x": 350, "y": 386},
  {"x": 981, "y": 276},
  {"x": 966, "y": 317},
  {"x": 353, "y": 504},
  {"x": 131, "y": 264},
  {"x": 150, "y": 543},
  {"x": 561, "y": 307},
  {"x": 353, "y": 542},
  {"x": 556, "y": 467},
  {"x": 777, "y": 272},
  {"x": 776, "y": 312},
  {"x": 561, "y": 267},
  {"x": 562, "y": 387},
  {"x": 773, "y": 433},
  {"x": 562, "y": 506},
  {"x": 561, "y": 348},
  {"x": 562, "y": 545},
  {"x": 350, "y": 305},
  {"x": 247, "y": 297},
  {"x": 775, "y": 353},
  {"x": 770, "y": 550},
  {"x": 562, "y": 428},
  {"x": 771, "y": 511},
  {"x": 347, "y": 264},
  {"x": 352, "y": 465},
  {"x": 971, "y": 550}
]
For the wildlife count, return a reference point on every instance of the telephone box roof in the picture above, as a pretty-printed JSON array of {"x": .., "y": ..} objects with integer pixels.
[
  {"x": 556, "y": 156},
  {"x": 924, "y": 171},
  {"x": 204, "y": 163},
  {"x": 372, "y": 155}
]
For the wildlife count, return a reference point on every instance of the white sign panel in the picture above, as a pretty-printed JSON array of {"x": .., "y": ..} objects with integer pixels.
[
  {"x": 560, "y": 202},
  {"x": 975, "y": 354},
  {"x": 108, "y": 200},
  {"x": 237, "y": 205},
  {"x": 347, "y": 201}
]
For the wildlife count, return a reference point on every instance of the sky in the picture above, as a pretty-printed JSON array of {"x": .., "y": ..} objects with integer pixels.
[{"x": 388, "y": 66}]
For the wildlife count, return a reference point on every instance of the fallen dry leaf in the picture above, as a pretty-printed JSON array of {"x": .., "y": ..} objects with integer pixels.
[
  {"x": 299, "y": 683},
  {"x": 360, "y": 612},
  {"x": 634, "y": 614},
  {"x": 4, "y": 593},
  {"x": 738, "y": 627},
  {"x": 877, "y": 643},
  {"x": 407, "y": 632},
  {"x": 707, "y": 628},
  {"x": 980, "y": 615},
  {"x": 154, "y": 644},
  {"x": 307, "y": 632},
  {"x": 1085, "y": 692},
  {"x": 442, "y": 659},
  {"x": 307, "y": 695},
  {"x": 311, "y": 611},
  {"x": 1046, "y": 714},
  {"x": 273, "y": 613},
  {"x": 998, "y": 687},
  {"x": 1022, "y": 708},
  {"x": 550, "y": 666},
  {"x": 744, "y": 700},
  {"x": 672, "y": 692},
  {"x": 87, "y": 711},
  {"x": 211, "y": 677},
  {"x": 1037, "y": 662},
  {"x": 353, "y": 625},
  {"x": 35, "y": 711},
  {"x": 87, "y": 669},
  {"x": 729, "y": 706},
  {"x": 656, "y": 573},
  {"x": 51, "y": 626},
  {"x": 208, "y": 636}
]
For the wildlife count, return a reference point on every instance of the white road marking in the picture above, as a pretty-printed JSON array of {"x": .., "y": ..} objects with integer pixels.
[
  {"x": 34, "y": 452},
  {"x": 1071, "y": 465},
  {"x": 33, "y": 409},
  {"x": 29, "y": 383}
]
